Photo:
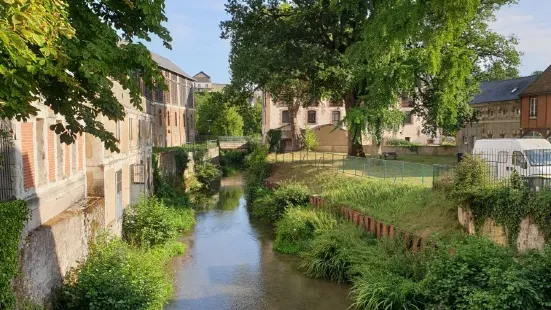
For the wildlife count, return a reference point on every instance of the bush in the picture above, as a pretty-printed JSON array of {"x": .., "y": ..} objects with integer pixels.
[
  {"x": 309, "y": 140},
  {"x": 401, "y": 142},
  {"x": 150, "y": 222},
  {"x": 274, "y": 140},
  {"x": 207, "y": 174},
  {"x": 257, "y": 170},
  {"x": 264, "y": 207},
  {"x": 470, "y": 174},
  {"x": 115, "y": 276},
  {"x": 298, "y": 226},
  {"x": 13, "y": 215},
  {"x": 291, "y": 194},
  {"x": 474, "y": 273},
  {"x": 333, "y": 253}
]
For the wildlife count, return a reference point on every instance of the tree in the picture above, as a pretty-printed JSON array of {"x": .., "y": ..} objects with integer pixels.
[
  {"x": 368, "y": 53},
  {"x": 537, "y": 72},
  {"x": 215, "y": 117},
  {"x": 69, "y": 54},
  {"x": 252, "y": 118}
]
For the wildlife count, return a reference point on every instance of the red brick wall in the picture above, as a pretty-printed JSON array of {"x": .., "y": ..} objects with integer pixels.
[
  {"x": 51, "y": 155},
  {"x": 67, "y": 160},
  {"x": 27, "y": 154}
]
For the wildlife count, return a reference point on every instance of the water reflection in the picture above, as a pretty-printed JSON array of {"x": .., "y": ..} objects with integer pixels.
[{"x": 230, "y": 264}]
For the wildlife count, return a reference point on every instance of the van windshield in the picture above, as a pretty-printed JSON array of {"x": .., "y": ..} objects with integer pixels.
[{"x": 539, "y": 157}]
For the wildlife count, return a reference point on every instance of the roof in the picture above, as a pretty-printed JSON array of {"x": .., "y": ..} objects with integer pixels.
[
  {"x": 169, "y": 65},
  {"x": 502, "y": 90},
  {"x": 541, "y": 85},
  {"x": 202, "y": 77}
]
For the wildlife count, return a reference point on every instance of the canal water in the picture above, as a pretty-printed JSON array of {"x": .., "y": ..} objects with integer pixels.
[{"x": 230, "y": 264}]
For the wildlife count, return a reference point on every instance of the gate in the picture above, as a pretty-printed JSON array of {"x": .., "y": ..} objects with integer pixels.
[{"x": 6, "y": 160}]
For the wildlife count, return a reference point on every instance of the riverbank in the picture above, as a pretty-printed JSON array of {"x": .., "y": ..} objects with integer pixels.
[{"x": 456, "y": 271}]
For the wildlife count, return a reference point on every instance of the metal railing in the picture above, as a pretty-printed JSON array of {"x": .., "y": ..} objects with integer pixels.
[{"x": 368, "y": 167}]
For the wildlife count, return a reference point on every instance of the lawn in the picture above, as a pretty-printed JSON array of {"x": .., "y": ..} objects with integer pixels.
[
  {"x": 409, "y": 206},
  {"x": 416, "y": 169}
]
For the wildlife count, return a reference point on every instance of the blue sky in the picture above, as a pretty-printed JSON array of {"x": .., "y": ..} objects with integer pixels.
[{"x": 196, "y": 46}]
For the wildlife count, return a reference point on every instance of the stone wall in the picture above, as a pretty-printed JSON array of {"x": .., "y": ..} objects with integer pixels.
[
  {"x": 436, "y": 150},
  {"x": 49, "y": 251},
  {"x": 530, "y": 235}
]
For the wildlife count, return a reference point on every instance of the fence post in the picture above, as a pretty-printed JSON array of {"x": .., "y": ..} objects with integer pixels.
[
  {"x": 403, "y": 164},
  {"x": 343, "y": 159},
  {"x": 355, "y": 165},
  {"x": 292, "y": 157},
  {"x": 423, "y": 174},
  {"x": 384, "y": 169}
]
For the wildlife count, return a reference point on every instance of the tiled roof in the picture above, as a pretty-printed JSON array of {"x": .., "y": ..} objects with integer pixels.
[
  {"x": 503, "y": 90},
  {"x": 169, "y": 65},
  {"x": 541, "y": 85}
]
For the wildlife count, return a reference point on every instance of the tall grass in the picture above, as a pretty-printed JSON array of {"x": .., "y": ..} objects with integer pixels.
[
  {"x": 298, "y": 226},
  {"x": 333, "y": 253}
]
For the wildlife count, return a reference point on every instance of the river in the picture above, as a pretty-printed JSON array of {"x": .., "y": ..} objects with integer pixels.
[{"x": 230, "y": 264}]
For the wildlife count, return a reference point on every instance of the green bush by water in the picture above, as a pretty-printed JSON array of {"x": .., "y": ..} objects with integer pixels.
[
  {"x": 333, "y": 253},
  {"x": 117, "y": 276},
  {"x": 150, "y": 222},
  {"x": 208, "y": 175},
  {"x": 298, "y": 226}
]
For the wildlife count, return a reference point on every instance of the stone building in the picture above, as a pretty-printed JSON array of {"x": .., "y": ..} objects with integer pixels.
[
  {"x": 275, "y": 115},
  {"x": 203, "y": 83},
  {"x": 498, "y": 109},
  {"x": 535, "y": 115},
  {"x": 173, "y": 110}
]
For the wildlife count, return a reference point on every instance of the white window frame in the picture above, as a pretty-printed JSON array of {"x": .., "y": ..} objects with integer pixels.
[{"x": 533, "y": 109}]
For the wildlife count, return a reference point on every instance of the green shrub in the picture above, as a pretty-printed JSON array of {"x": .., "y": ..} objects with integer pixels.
[
  {"x": 470, "y": 174},
  {"x": 274, "y": 140},
  {"x": 474, "y": 273},
  {"x": 208, "y": 175},
  {"x": 115, "y": 276},
  {"x": 13, "y": 215},
  {"x": 333, "y": 253},
  {"x": 388, "y": 277},
  {"x": 297, "y": 227},
  {"x": 264, "y": 207},
  {"x": 150, "y": 222},
  {"x": 290, "y": 194},
  {"x": 309, "y": 139},
  {"x": 257, "y": 170},
  {"x": 401, "y": 142}
]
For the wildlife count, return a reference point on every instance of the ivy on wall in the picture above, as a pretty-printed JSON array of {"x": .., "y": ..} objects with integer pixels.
[{"x": 13, "y": 215}]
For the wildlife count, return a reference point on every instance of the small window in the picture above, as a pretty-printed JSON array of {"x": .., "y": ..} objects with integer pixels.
[
  {"x": 518, "y": 159},
  {"x": 160, "y": 117},
  {"x": 184, "y": 119},
  {"x": 168, "y": 119},
  {"x": 118, "y": 130},
  {"x": 491, "y": 113},
  {"x": 311, "y": 117},
  {"x": 336, "y": 116},
  {"x": 175, "y": 119},
  {"x": 465, "y": 140},
  {"x": 285, "y": 117},
  {"x": 408, "y": 139},
  {"x": 502, "y": 157},
  {"x": 533, "y": 107},
  {"x": 130, "y": 129},
  {"x": 408, "y": 119}
]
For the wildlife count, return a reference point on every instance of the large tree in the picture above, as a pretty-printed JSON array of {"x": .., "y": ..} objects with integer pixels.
[
  {"x": 369, "y": 52},
  {"x": 68, "y": 54},
  {"x": 216, "y": 117}
]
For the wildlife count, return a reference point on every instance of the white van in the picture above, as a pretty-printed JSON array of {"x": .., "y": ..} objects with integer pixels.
[{"x": 529, "y": 157}]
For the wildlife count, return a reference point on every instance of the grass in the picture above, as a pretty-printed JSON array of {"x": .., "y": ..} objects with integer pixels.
[
  {"x": 416, "y": 169},
  {"x": 411, "y": 207}
]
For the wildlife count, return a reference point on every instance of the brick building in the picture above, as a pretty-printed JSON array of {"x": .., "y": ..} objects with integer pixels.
[
  {"x": 535, "y": 116},
  {"x": 498, "y": 108},
  {"x": 173, "y": 110}
]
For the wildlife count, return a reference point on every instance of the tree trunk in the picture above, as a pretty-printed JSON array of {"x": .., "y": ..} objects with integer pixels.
[
  {"x": 294, "y": 127},
  {"x": 354, "y": 132}
]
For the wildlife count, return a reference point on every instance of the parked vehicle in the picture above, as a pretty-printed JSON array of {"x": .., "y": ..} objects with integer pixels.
[{"x": 531, "y": 158}]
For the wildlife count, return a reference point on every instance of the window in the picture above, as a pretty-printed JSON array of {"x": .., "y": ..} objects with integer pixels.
[
  {"x": 408, "y": 139},
  {"x": 168, "y": 119},
  {"x": 175, "y": 119},
  {"x": 518, "y": 111},
  {"x": 117, "y": 130},
  {"x": 160, "y": 117},
  {"x": 130, "y": 129},
  {"x": 533, "y": 107},
  {"x": 408, "y": 117},
  {"x": 336, "y": 116},
  {"x": 285, "y": 117},
  {"x": 174, "y": 92},
  {"x": 159, "y": 95},
  {"x": 491, "y": 113},
  {"x": 502, "y": 157},
  {"x": 518, "y": 159},
  {"x": 465, "y": 140},
  {"x": 405, "y": 101},
  {"x": 311, "y": 117},
  {"x": 148, "y": 93},
  {"x": 184, "y": 119}
]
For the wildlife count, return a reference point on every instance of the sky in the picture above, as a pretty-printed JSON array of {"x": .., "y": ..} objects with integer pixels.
[{"x": 196, "y": 46}]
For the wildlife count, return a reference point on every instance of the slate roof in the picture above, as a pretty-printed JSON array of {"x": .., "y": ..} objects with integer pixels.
[
  {"x": 169, "y": 65},
  {"x": 541, "y": 85},
  {"x": 503, "y": 90}
]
